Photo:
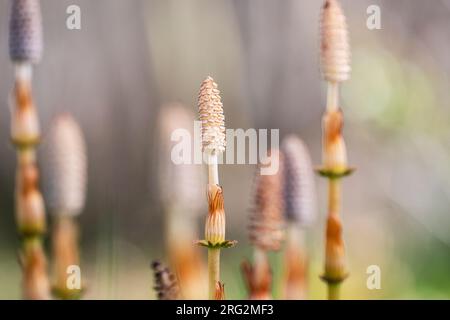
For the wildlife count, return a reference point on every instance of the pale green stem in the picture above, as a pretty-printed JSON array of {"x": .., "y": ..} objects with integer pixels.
[
  {"x": 213, "y": 254},
  {"x": 334, "y": 291},
  {"x": 213, "y": 270},
  {"x": 332, "y": 96}
]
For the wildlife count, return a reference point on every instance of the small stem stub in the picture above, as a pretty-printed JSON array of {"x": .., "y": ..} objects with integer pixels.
[{"x": 334, "y": 291}]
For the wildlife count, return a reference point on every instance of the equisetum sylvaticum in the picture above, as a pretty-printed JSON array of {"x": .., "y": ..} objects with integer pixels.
[
  {"x": 25, "y": 48},
  {"x": 266, "y": 226},
  {"x": 212, "y": 119},
  {"x": 64, "y": 167},
  {"x": 182, "y": 195},
  {"x": 300, "y": 208},
  {"x": 335, "y": 63}
]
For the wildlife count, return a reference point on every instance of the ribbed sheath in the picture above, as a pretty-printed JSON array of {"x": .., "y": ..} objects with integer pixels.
[
  {"x": 180, "y": 184},
  {"x": 215, "y": 221},
  {"x": 334, "y": 151},
  {"x": 266, "y": 226},
  {"x": 25, "y": 31},
  {"x": 211, "y": 115},
  {"x": 335, "y": 263},
  {"x": 299, "y": 187},
  {"x": 335, "y": 44},
  {"x": 30, "y": 209},
  {"x": 64, "y": 167},
  {"x": 25, "y": 129},
  {"x": 166, "y": 286}
]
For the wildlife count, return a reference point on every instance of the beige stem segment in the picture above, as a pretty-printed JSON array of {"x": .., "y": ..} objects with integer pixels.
[
  {"x": 23, "y": 71},
  {"x": 213, "y": 271},
  {"x": 334, "y": 291},
  {"x": 334, "y": 196},
  {"x": 213, "y": 170},
  {"x": 335, "y": 266},
  {"x": 332, "y": 96}
]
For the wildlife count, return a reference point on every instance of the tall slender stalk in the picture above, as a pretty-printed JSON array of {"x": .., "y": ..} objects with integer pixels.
[
  {"x": 213, "y": 270},
  {"x": 25, "y": 47},
  {"x": 65, "y": 178},
  {"x": 182, "y": 204},
  {"x": 213, "y": 142},
  {"x": 300, "y": 209},
  {"x": 335, "y": 59},
  {"x": 266, "y": 227}
]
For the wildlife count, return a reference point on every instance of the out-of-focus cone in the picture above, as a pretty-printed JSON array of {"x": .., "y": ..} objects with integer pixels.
[
  {"x": 25, "y": 31},
  {"x": 65, "y": 167},
  {"x": 299, "y": 192},
  {"x": 266, "y": 226}
]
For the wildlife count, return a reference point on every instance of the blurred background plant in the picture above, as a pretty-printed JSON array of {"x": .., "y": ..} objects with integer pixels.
[{"x": 131, "y": 57}]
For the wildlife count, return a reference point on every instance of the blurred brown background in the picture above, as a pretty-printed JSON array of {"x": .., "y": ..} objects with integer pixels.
[{"x": 132, "y": 56}]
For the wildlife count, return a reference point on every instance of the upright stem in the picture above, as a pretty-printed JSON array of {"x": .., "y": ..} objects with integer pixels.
[
  {"x": 334, "y": 291},
  {"x": 335, "y": 162},
  {"x": 23, "y": 71},
  {"x": 213, "y": 171},
  {"x": 332, "y": 96},
  {"x": 335, "y": 271},
  {"x": 334, "y": 196},
  {"x": 213, "y": 271},
  {"x": 213, "y": 253},
  {"x": 30, "y": 211}
]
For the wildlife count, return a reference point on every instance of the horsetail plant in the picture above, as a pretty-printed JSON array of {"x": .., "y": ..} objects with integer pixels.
[
  {"x": 335, "y": 60},
  {"x": 266, "y": 227},
  {"x": 64, "y": 169},
  {"x": 25, "y": 48},
  {"x": 213, "y": 144},
  {"x": 166, "y": 284},
  {"x": 181, "y": 204},
  {"x": 300, "y": 211}
]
